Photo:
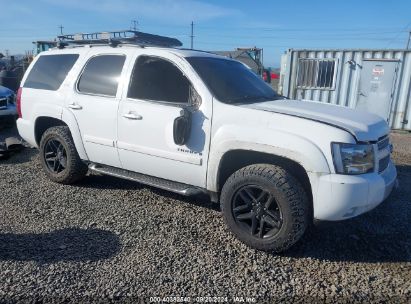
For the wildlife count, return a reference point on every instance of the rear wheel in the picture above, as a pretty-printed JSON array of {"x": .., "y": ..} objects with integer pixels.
[
  {"x": 265, "y": 207},
  {"x": 59, "y": 156}
]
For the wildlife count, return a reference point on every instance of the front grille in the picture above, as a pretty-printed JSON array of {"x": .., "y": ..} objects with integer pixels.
[
  {"x": 3, "y": 103},
  {"x": 383, "y": 145},
  {"x": 383, "y": 163}
]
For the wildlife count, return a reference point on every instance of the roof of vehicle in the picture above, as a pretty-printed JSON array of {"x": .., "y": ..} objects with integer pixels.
[{"x": 177, "y": 51}]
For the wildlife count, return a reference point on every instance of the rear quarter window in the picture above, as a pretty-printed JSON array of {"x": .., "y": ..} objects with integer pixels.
[{"x": 49, "y": 71}]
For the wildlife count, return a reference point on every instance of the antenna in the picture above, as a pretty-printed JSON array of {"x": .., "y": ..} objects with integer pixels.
[
  {"x": 134, "y": 25},
  {"x": 192, "y": 34},
  {"x": 61, "y": 29}
]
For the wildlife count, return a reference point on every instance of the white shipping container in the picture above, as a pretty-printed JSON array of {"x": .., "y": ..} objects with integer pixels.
[{"x": 378, "y": 81}]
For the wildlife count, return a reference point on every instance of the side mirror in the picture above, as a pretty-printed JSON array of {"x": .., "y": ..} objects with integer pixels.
[{"x": 182, "y": 127}]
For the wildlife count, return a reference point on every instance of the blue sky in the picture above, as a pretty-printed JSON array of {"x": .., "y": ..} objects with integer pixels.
[{"x": 219, "y": 25}]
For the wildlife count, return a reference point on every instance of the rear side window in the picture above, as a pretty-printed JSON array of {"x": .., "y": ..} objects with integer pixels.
[
  {"x": 101, "y": 75},
  {"x": 158, "y": 79},
  {"x": 49, "y": 71}
]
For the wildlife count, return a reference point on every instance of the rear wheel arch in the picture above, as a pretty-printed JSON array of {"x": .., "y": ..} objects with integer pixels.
[
  {"x": 43, "y": 123},
  {"x": 59, "y": 156}
]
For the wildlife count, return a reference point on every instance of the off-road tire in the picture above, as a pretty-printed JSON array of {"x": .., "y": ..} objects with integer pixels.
[
  {"x": 75, "y": 169},
  {"x": 289, "y": 195}
]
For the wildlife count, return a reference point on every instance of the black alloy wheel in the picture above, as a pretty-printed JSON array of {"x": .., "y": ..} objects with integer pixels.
[
  {"x": 257, "y": 212},
  {"x": 59, "y": 157},
  {"x": 265, "y": 207},
  {"x": 55, "y": 156}
]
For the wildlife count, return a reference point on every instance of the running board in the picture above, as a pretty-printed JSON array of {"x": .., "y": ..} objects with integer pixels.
[{"x": 161, "y": 183}]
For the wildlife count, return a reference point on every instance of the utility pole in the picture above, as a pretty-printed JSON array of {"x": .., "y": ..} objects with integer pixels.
[
  {"x": 134, "y": 25},
  {"x": 192, "y": 34},
  {"x": 409, "y": 40},
  {"x": 61, "y": 29}
]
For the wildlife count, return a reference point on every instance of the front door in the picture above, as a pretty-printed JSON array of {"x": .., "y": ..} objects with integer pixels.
[
  {"x": 376, "y": 86},
  {"x": 94, "y": 103},
  {"x": 158, "y": 92}
]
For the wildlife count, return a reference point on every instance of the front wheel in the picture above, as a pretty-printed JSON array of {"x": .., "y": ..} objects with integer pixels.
[
  {"x": 59, "y": 156},
  {"x": 265, "y": 207}
]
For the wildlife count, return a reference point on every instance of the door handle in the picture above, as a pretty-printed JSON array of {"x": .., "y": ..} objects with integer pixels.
[
  {"x": 133, "y": 116},
  {"x": 75, "y": 106}
]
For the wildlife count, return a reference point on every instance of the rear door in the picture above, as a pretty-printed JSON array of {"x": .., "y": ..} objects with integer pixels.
[
  {"x": 159, "y": 90},
  {"x": 95, "y": 100}
]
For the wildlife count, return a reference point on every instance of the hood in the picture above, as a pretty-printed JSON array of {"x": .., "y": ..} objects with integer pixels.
[
  {"x": 5, "y": 91},
  {"x": 363, "y": 126}
]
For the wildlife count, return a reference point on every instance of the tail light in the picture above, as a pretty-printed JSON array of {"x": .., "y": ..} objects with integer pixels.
[{"x": 18, "y": 101}]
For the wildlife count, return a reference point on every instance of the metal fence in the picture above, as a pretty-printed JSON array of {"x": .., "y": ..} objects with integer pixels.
[{"x": 377, "y": 80}]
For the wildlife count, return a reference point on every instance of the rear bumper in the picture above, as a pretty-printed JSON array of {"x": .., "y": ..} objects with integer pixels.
[
  {"x": 341, "y": 197},
  {"x": 26, "y": 131}
]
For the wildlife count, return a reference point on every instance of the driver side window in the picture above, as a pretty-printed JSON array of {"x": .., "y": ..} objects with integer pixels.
[{"x": 158, "y": 79}]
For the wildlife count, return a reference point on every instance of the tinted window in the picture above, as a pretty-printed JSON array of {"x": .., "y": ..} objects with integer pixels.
[
  {"x": 158, "y": 79},
  {"x": 49, "y": 71},
  {"x": 231, "y": 81},
  {"x": 101, "y": 75}
]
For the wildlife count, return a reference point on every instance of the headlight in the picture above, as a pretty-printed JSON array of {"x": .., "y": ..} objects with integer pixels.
[{"x": 353, "y": 158}]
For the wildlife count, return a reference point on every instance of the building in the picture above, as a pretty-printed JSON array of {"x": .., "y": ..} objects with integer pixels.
[
  {"x": 377, "y": 80},
  {"x": 251, "y": 57}
]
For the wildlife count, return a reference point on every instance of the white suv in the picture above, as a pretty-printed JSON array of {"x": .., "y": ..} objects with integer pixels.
[{"x": 194, "y": 122}]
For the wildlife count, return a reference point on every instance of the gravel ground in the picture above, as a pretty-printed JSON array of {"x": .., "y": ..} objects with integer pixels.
[{"x": 106, "y": 239}]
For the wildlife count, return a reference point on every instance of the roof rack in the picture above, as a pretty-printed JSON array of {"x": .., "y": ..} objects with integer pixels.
[{"x": 118, "y": 37}]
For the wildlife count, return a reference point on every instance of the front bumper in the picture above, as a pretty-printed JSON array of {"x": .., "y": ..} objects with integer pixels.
[{"x": 340, "y": 197}]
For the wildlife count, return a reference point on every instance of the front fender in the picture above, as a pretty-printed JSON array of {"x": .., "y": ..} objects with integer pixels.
[{"x": 280, "y": 143}]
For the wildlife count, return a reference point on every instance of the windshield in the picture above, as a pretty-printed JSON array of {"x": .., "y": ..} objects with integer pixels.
[{"x": 231, "y": 81}]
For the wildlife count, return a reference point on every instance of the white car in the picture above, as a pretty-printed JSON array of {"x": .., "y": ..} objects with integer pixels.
[{"x": 194, "y": 122}]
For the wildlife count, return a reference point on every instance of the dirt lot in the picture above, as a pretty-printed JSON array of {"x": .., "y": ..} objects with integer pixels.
[{"x": 106, "y": 239}]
